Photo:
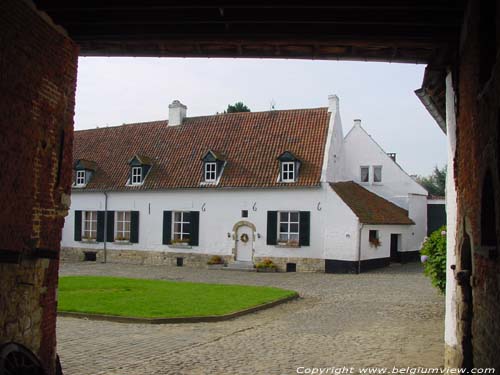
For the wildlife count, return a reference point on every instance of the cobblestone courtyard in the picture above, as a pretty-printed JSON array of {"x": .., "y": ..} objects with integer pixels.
[{"x": 391, "y": 317}]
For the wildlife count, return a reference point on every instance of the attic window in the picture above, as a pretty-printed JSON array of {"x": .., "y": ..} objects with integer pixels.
[
  {"x": 139, "y": 169},
  {"x": 377, "y": 173},
  {"x": 80, "y": 178},
  {"x": 213, "y": 166},
  {"x": 289, "y": 167},
  {"x": 210, "y": 172},
  {"x": 136, "y": 175},
  {"x": 288, "y": 171}
]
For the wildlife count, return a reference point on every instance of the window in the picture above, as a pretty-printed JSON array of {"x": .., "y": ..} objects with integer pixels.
[
  {"x": 210, "y": 172},
  {"x": 122, "y": 226},
  {"x": 288, "y": 226},
  {"x": 80, "y": 178},
  {"x": 373, "y": 238},
  {"x": 136, "y": 175},
  {"x": 181, "y": 223},
  {"x": 365, "y": 174},
  {"x": 89, "y": 225},
  {"x": 244, "y": 213},
  {"x": 377, "y": 174},
  {"x": 287, "y": 171}
]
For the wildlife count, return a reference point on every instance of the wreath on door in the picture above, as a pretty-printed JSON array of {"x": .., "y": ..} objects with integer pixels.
[{"x": 244, "y": 238}]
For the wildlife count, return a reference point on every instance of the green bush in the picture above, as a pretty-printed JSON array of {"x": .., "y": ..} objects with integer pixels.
[{"x": 434, "y": 258}]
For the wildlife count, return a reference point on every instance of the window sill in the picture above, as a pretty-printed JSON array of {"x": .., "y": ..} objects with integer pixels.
[
  {"x": 88, "y": 241},
  {"x": 120, "y": 242},
  {"x": 287, "y": 245},
  {"x": 179, "y": 246}
]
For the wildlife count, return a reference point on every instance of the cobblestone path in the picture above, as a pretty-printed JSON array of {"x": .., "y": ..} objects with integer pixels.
[{"x": 391, "y": 317}]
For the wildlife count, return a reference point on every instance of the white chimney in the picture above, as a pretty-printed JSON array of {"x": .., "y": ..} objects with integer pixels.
[
  {"x": 357, "y": 122},
  {"x": 176, "y": 113},
  {"x": 333, "y": 103}
]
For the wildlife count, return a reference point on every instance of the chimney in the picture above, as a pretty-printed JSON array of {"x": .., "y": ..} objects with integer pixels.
[
  {"x": 333, "y": 103},
  {"x": 357, "y": 122},
  {"x": 176, "y": 113}
]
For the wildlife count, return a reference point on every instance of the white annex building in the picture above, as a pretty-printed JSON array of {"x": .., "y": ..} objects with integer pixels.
[{"x": 285, "y": 185}]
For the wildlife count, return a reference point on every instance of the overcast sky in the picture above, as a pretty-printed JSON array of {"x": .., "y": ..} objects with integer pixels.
[{"x": 113, "y": 91}]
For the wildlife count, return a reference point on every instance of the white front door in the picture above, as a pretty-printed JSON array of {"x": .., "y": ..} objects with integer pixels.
[{"x": 244, "y": 244}]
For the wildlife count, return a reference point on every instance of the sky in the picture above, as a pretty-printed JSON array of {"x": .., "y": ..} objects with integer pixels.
[{"x": 114, "y": 91}]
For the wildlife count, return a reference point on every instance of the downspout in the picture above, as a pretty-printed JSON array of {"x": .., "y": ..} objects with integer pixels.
[
  {"x": 359, "y": 248},
  {"x": 105, "y": 225}
]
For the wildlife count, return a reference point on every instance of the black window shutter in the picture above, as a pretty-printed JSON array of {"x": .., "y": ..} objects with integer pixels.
[
  {"x": 100, "y": 226},
  {"x": 110, "y": 230},
  {"x": 134, "y": 226},
  {"x": 195, "y": 228},
  {"x": 167, "y": 227},
  {"x": 78, "y": 225},
  {"x": 272, "y": 227},
  {"x": 305, "y": 228}
]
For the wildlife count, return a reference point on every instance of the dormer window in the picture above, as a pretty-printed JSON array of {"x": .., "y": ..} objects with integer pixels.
[
  {"x": 213, "y": 166},
  {"x": 136, "y": 175},
  {"x": 84, "y": 170},
  {"x": 80, "y": 178},
  {"x": 210, "y": 172},
  {"x": 288, "y": 171},
  {"x": 289, "y": 167},
  {"x": 139, "y": 169}
]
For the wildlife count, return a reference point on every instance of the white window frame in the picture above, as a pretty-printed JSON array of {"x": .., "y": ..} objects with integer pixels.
[
  {"x": 361, "y": 173},
  {"x": 287, "y": 171},
  {"x": 80, "y": 178},
  {"x": 181, "y": 236},
  {"x": 288, "y": 233},
  {"x": 210, "y": 171},
  {"x": 375, "y": 167},
  {"x": 136, "y": 176},
  {"x": 91, "y": 220},
  {"x": 121, "y": 218}
]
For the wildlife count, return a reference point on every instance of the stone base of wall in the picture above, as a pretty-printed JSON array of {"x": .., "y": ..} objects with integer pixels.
[
  {"x": 159, "y": 258},
  {"x": 352, "y": 266},
  {"x": 156, "y": 258},
  {"x": 301, "y": 264}
]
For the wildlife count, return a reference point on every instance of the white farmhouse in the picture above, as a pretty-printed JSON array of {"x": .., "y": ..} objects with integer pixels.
[{"x": 285, "y": 185}]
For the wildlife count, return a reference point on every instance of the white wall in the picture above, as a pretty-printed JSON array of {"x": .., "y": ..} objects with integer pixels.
[
  {"x": 333, "y": 159},
  {"x": 417, "y": 211},
  {"x": 384, "y": 235},
  {"x": 450, "y": 325},
  {"x": 361, "y": 150},
  {"x": 223, "y": 210}
]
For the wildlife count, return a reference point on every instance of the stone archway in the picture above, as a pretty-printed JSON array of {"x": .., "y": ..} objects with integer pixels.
[{"x": 238, "y": 225}]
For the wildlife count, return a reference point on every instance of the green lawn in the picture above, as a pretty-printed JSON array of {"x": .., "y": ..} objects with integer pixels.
[{"x": 158, "y": 298}]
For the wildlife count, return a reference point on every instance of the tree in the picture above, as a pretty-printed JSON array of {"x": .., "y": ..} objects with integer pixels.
[
  {"x": 237, "y": 107},
  {"x": 435, "y": 184}
]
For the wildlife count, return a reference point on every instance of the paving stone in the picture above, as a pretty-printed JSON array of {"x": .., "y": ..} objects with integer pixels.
[{"x": 390, "y": 317}]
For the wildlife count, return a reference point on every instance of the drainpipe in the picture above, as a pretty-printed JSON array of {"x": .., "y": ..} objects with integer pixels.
[
  {"x": 105, "y": 225},
  {"x": 359, "y": 248}
]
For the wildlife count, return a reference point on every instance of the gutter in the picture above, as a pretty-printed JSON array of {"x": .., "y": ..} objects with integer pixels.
[
  {"x": 359, "y": 247},
  {"x": 105, "y": 225}
]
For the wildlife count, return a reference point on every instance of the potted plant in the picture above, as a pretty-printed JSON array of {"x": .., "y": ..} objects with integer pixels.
[
  {"x": 120, "y": 238},
  {"x": 87, "y": 238},
  {"x": 180, "y": 242},
  {"x": 375, "y": 242},
  {"x": 266, "y": 265},
  {"x": 215, "y": 262}
]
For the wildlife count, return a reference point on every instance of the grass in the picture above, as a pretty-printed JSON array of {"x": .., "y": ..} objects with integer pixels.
[{"x": 158, "y": 298}]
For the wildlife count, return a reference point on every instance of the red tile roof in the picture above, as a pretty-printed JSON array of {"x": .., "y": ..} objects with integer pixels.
[
  {"x": 250, "y": 142},
  {"x": 369, "y": 207}
]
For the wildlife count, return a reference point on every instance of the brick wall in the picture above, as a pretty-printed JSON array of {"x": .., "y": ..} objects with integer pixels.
[
  {"x": 37, "y": 90},
  {"x": 477, "y": 152}
]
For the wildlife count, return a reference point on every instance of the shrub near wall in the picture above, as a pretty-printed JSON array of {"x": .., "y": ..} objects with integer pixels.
[{"x": 434, "y": 258}]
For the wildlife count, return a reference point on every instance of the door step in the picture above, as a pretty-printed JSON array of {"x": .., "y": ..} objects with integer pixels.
[{"x": 240, "y": 266}]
